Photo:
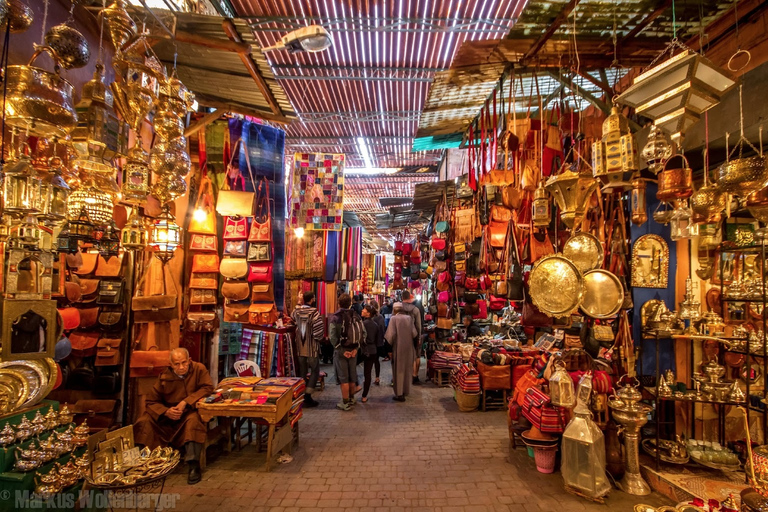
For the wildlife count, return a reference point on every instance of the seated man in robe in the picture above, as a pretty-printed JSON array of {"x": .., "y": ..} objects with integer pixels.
[{"x": 171, "y": 417}]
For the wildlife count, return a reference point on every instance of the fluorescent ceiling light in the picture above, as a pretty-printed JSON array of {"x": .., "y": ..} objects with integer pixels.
[
  {"x": 363, "y": 149},
  {"x": 156, "y": 4},
  {"x": 371, "y": 170}
]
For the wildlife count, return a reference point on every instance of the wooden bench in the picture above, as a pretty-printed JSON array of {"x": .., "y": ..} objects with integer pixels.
[{"x": 443, "y": 377}]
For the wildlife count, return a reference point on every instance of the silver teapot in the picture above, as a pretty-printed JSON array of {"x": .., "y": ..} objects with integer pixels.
[
  {"x": 48, "y": 449},
  {"x": 24, "y": 429},
  {"x": 47, "y": 485},
  {"x": 51, "y": 419},
  {"x": 7, "y": 435},
  {"x": 65, "y": 417},
  {"x": 38, "y": 423},
  {"x": 69, "y": 474}
]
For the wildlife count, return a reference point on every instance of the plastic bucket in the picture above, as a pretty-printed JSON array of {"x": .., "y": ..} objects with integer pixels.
[{"x": 545, "y": 459}]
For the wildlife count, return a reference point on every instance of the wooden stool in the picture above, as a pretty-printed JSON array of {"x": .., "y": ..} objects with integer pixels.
[
  {"x": 320, "y": 382},
  {"x": 443, "y": 377},
  {"x": 494, "y": 401}
]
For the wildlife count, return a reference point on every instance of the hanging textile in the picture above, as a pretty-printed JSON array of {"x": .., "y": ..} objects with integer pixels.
[
  {"x": 331, "y": 255},
  {"x": 317, "y": 198},
  {"x": 350, "y": 254}
]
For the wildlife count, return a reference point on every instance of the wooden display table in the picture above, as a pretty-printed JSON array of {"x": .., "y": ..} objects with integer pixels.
[{"x": 271, "y": 413}]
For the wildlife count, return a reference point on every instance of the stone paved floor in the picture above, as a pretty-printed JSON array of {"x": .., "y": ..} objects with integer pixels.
[{"x": 386, "y": 456}]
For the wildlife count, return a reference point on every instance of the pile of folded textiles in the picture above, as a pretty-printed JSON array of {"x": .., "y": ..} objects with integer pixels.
[
  {"x": 466, "y": 379},
  {"x": 444, "y": 361}
]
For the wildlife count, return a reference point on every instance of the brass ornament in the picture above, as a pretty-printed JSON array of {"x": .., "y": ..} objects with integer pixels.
[
  {"x": 657, "y": 150},
  {"x": 20, "y": 15},
  {"x": 708, "y": 204},
  {"x": 69, "y": 46},
  {"x": 119, "y": 24},
  {"x": 742, "y": 176}
]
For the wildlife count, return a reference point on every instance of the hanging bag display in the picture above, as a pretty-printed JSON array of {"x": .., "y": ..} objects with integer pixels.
[
  {"x": 441, "y": 221},
  {"x": 261, "y": 226},
  {"x": 207, "y": 243},
  {"x": 154, "y": 308},
  {"x": 199, "y": 224},
  {"x": 515, "y": 289},
  {"x": 205, "y": 263},
  {"x": 236, "y": 202}
]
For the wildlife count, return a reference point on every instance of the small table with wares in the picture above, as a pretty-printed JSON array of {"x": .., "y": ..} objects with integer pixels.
[{"x": 269, "y": 400}]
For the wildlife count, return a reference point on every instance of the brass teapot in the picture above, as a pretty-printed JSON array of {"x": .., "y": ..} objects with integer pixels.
[
  {"x": 69, "y": 474},
  {"x": 38, "y": 423},
  {"x": 7, "y": 435},
  {"x": 81, "y": 434},
  {"x": 51, "y": 419},
  {"x": 48, "y": 449},
  {"x": 48, "y": 485},
  {"x": 65, "y": 417},
  {"x": 24, "y": 429}
]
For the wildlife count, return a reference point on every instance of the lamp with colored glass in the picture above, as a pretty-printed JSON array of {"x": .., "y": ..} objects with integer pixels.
[
  {"x": 166, "y": 236},
  {"x": 94, "y": 200},
  {"x": 134, "y": 234},
  {"x": 109, "y": 245}
]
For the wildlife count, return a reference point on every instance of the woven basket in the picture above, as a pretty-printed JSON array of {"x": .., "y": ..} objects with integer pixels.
[{"x": 467, "y": 403}]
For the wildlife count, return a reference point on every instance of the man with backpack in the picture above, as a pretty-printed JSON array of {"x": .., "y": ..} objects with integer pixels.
[
  {"x": 309, "y": 333},
  {"x": 346, "y": 332}
]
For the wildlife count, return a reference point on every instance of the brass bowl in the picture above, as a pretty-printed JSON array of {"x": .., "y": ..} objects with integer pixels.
[
  {"x": 742, "y": 176},
  {"x": 20, "y": 15},
  {"x": 707, "y": 204},
  {"x": 69, "y": 45},
  {"x": 556, "y": 273}
]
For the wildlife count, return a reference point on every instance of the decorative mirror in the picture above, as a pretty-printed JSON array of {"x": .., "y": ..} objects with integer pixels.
[
  {"x": 30, "y": 329},
  {"x": 650, "y": 262}
]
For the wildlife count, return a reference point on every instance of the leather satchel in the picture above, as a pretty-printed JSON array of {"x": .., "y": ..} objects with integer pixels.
[
  {"x": 204, "y": 281},
  {"x": 108, "y": 352},
  {"x": 111, "y": 320},
  {"x": 261, "y": 227},
  {"x": 108, "y": 267},
  {"x": 235, "y": 248},
  {"x": 200, "y": 242},
  {"x": 198, "y": 296},
  {"x": 201, "y": 321},
  {"x": 260, "y": 273},
  {"x": 88, "y": 317},
  {"x": 110, "y": 292},
  {"x": 259, "y": 251},
  {"x": 149, "y": 363},
  {"x": 205, "y": 263},
  {"x": 500, "y": 214},
  {"x": 236, "y": 312},
  {"x": 84, "y": 343},
  {"x": 497, "y": 233},
  {"x": 234, "y": 202},
  {"x": 235, "y": 290},
  {"x": 89, "y": 260},
  {"x": 70, "y": 318},
  {"x": 154, "y": 308},
  {"x": 444, "y": 323},
  {"x": 262, "y": 292},
  {"x": 262, "y": 314},
  {"x": 233, "y": 268},
  {"x": 72, "y": 291},
  {"x": 235, "y": 229},
  {"x": 88, "y": 290}
]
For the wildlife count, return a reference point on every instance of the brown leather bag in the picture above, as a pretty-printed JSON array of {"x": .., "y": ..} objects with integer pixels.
[
  {"x": 70, "y": 318},
  {"x": 149, "y": 363},
  {"x": 234, "y": 268},
  {"x": 197, "y": 296},
  {"x": 205, "y": 263},
  {"x": 72, "y": 291},
  {"x": 89, "y": 264},
  {"x": 88, "y": 290},
  {"x": 108, "y": 267},
  {"x": 204, "y": 281},
  {"x": 154, "y": 308},
  {"x": 84, "y": 343},
  {"x": 497, "y": 233},
  {"x": 201, "y": 321},
  {"x": 263, "y": 314},
  {"x": 110, "y": 319},
  {"x": 235, "y": 290},
  {"x": 262, "y": 292},
  {"x": 236, "y": 312},
  {"x": 88, "y": 317},
  {"x": 108, "y": 352},
  {"x": 500, "y": 214}
]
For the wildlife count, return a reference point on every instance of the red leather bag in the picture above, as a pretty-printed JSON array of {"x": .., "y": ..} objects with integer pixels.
[
  {"x": 497, "y": 303},
  {"x": 260, "y": 273}
]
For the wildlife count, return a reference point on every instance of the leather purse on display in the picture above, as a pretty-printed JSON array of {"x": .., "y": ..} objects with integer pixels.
[
  {"x": 108, "y": 267},
  {"x": 234, "y": 202},
  {"x": 111, "y": 320},
  {"x": 259, "y": 251},
  {"x": 197, "y": 296},
  {"x": 201, "y": 321},
  {"x": 262, "y": 314},
  {"x": 262, "y": 292},
  {"x": 88, "y": 290},
  {"x": 236, "y": 312},
  {"x": 88, "y": 317},
  {"x": 261, "y": 226},
  {"x": 84, "y": 343},
  {"x": 235, "y": 248},
  {"x": 205, "y": 263},
  {"x": 72, "y": 290},
  {"x": 235, "y": 229},
  {"x": 154, "y": 308},
  {"x": 198, "y": 242},
  {"x": 108, "y": 352},
  {"x": 70, "y": 318},
  {"x": 235, "y": 290},
  {"x": 204, "y": 281},
  {"x": 233, "y": 268},
  {"x": 88, "y": 265},
  {"x": 497, "y": 303},
  {"x": 149, "y": 363},
  {"x": 110, "y": 292},
  {"x": 260, "y": 273}
]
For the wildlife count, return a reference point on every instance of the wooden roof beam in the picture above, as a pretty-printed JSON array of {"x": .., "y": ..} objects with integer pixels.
[
  {"x": 603, "y": 85},
  {"x": 235, "y": 108},
  {"x": 551, "y": 29},
  {"x": 661, "y": 6},
  {"x": 231, "y": 31},
  {"x": 203, "y": 122}
]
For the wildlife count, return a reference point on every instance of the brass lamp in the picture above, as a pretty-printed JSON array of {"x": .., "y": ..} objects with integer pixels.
[
  {"x": 676, "y": 92},
  {"x": 541, "y": 210},
  {"x": 22, "y": 188},
  {"x": 166, "y": 236},
  {"x": 96, "y": 202},
  {"x": 55, "y": 192},
  {"x": 136, "y": 175},
  {"x": 109, "y": 244},
  {"x": 134, "y": 234},
  {"x": 571, "y": 192}
]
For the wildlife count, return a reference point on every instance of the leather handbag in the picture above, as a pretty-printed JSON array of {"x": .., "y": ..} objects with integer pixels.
[
  {"x": 204, "y": 225},
  {"x": 235, "y": 290},
  {"x": 233, "y": 268},
  {"x": 201, "y": 321},
  {"x": 444, "y": 296},
  {"x": 261, "y": 226},
  {"x": 235, "y": 228},
  {"x": 443, "y": 281},
  {"x": 89, "y": 260},
  {"x": 438, "y": 243},
  {"x": 236, "y": 312},
  {"x": 259, "y": 251},
  {"x": 110, "y": 292},
  {"x": 198, "y": 242},
  {"x": 262, "y": 292},
  {"x": 234, "y": 202},
  {"x": 497, "y": 303},
  {"x": 460, "y": 266},
  {"x": 197, "y": 296},
  {"x": 70, "y": 318},
  {"x": 444, "y": 323},
  {"x": 108, "y": 352},
  {"x": 205, "y": 263},
  {"x": 84, "y": 343},
  {"x": 204, "y": 281},
  {"x": 149, "y": 363},
  {"x": 111, "y": 320},
  {"x": 497, "y": 233},
  {"x": 74, "y": 261},
  {"x": 88, "y": 317},
  {"x": 260, "y": 273},
  {"x": 442, "y": 225},
  {"x": 532, "y": 317},
  {"x": 72, "y": 291},
  {"x": 482, "y": 312},
  {"x": 235, "y": 248},
  {"x": 500, "y": 214},
  {"x": 154, "y": 308},
  {"x": 108, "y": 267},
  {"x": 500, "y": 288},
  {"x": 262, "y": 314},
  {"x": 471, "y": 283},
  {"x": 88, "y": 290}
]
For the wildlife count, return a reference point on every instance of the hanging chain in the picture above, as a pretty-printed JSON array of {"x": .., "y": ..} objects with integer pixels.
[
  {"x": 71, "y": 17},
  {"x": 101, "y": 32},
  {"x": 45, "y": 22}
]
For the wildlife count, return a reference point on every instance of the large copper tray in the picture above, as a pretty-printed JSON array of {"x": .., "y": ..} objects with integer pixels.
[
  {"x": 603, "y": 294},
  {"x": 556, "y": 286}
]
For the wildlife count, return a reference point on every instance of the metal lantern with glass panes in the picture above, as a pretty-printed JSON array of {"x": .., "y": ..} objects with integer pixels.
[
  {"x": 614, "y": 157},
  {"x": 541, "y": 211},
  {"x": 583, "y": 448},
  {"x": 690, "y": 308},
  {"x": 22, "y": 188},
  {"x": 166, "y": 236},
  {"x": 561, "y": 392},
  {"x": 681, "y": 223},
  {"x": 676, "y": 92},
  {"x": 109, "y": 244},
  {"x": 657, "y": 150},
  {"x": 638, "y": 205},
  {"x": 55, "y": 192},
  {"x": 136, "y": 176},
  {"x": 80, "y": 226},
  {"x": 96, "y": 202},
  {"x": 134, "y": 234}
]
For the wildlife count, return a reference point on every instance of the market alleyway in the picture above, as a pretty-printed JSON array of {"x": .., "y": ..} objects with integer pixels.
[{"x": 385, "y": 456}]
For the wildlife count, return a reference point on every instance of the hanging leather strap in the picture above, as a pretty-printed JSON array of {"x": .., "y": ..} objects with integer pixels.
[{"x": 471, "y": 160}]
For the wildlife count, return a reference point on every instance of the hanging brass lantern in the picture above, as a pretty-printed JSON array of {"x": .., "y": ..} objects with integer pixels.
[
  {"x": 170, "y": 157},
  {"x": 19, "y": 16},
  {"x": 637, "y": 201},
  {"x": 757, "y": 204},
  {"x": 744, "y": 175},
  {"x": 616, "y": 154},
  {"x": 94, "y": 201},
  {"x": 541, "y": 211},
  {"x": 166, "y": 236},
  {"x": 136, "y": 175},
  {"x": 22, "y": 188},
  {"x": 55, "y": 192},
  {"x": 134, "y": 234},
  {"x": 109, "y": 244},
  {"x": 69, "y": 46},
  {"x": 168, "y": 188},
  {"x": 707, "y": 204},
  {"x": 119, "y": 23},
  {"x": 571, "y": 191},
  {"x": 657, "y": 150}
]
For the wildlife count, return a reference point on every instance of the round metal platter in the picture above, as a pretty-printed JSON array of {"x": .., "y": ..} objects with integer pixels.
[
  {"x": 585, "y": 251},
  {"x": 603, "y": 294},
  {"x": 50, "y": 371},
  {"x": 14, "y": 385},
  {"x": 34, "y": 375},
  {"x": 556, "y": 286}
]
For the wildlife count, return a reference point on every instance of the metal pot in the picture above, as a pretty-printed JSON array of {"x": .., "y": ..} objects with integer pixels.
[
  {"x": 675, "y": 183},
  {"x": 69, "y": 46},
  {"x": 39, "y": 101},
  {"x": 707, "y": 204},
  {"x": 742, "y": 176}
]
